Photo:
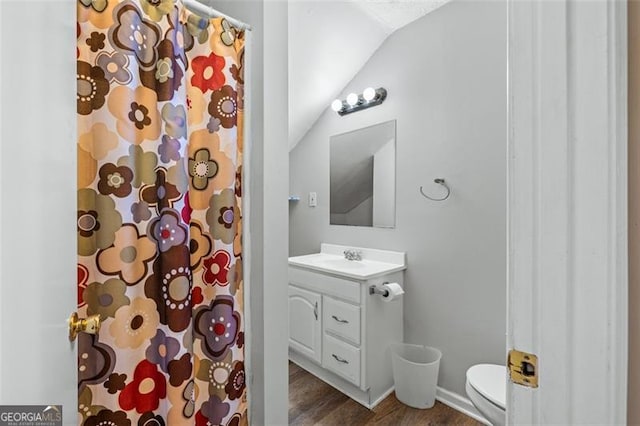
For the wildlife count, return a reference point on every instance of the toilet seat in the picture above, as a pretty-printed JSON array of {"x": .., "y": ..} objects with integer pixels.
[{"x": 489, "y": 380}]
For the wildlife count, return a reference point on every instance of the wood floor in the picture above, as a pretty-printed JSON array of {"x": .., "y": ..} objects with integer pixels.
[{"x": 313, "y": 402}]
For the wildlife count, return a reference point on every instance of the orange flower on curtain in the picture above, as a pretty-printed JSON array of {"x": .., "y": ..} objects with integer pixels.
[{"x": 159, "y": 221}]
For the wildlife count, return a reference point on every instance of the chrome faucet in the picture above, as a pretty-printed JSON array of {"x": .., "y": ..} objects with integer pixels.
[{"x": 352, "y": 254}]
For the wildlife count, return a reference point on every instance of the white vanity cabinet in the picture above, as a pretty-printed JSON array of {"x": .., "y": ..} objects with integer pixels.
[
  {"x": 337, "y": 330},
  {"x": 305, "y": 324}
]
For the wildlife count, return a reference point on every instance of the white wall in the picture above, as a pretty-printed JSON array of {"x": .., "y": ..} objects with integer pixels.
[
  {"x": 268, "y": 229},
  {"x": 446, "y": 78},
  {"x": 275, "y": 219}
]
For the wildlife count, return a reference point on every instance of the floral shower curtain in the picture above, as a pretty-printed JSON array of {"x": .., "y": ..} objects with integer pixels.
[{"x": 160, "y": 114}]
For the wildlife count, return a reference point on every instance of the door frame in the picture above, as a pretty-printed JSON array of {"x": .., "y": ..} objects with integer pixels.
[{"x": 567, "y": 209}]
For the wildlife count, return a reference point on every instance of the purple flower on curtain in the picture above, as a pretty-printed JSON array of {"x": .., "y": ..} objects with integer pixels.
[
  {"x": 167, "y": 230},
  {"x": 134, "y": 35},
  {"x": 115, "y": 66},
  {"x": 213, "y": 125},
  {"x": 181, "y": 39},
  {"x": 140, "y": 211},
  {"x": 162, "y": 350},
  {"x": 217, "y": 326},
  {"x": 169, "y": 149},
  {"x": 175, "y": 118},
  {"x": 213, "y": 410}
]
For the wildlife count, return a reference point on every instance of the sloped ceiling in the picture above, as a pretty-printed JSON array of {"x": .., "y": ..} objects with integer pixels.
[{"x": 329, "y": 41}]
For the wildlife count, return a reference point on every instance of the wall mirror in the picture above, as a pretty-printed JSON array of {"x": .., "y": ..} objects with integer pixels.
[{"x": 363, "y": 177}]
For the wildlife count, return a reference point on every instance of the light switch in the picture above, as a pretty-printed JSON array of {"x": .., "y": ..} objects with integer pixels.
[{"x": 313, "y": 199}]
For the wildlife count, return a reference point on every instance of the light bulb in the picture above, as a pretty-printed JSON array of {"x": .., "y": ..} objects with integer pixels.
[
  {"x": 336, "y": 105},
  {"x": 352, "y": 99},
  {"x": 368, "y": 94}
]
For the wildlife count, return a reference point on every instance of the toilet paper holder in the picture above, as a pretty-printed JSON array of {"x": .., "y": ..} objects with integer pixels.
[{"x": 374, "y": 289}]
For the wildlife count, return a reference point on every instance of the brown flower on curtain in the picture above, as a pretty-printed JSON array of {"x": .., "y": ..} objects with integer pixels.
[{"x": 159, "y": 99}]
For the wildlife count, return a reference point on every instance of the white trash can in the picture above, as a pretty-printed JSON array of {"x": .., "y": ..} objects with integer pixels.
[{"x": 415, "y": 374}]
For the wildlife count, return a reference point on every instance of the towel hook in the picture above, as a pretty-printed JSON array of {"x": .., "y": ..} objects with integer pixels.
[{"x": 439, "y": 181}]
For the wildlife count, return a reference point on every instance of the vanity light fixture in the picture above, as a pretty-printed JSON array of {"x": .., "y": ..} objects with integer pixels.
[
  {"x": 353, "y": 99},
  {"x": 354, "y": 102}
]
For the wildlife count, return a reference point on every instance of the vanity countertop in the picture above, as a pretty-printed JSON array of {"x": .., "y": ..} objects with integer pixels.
[{"x": 331, "y": 260}]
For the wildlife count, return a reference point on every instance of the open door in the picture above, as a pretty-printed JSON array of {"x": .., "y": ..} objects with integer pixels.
[{"x": 567, "y": 278}]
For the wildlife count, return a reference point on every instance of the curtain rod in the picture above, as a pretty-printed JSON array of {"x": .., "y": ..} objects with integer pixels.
[{"x": 204, "y": 10}]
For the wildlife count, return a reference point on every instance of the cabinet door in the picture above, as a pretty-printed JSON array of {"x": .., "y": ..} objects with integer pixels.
[{"x": 305, "y": 325}]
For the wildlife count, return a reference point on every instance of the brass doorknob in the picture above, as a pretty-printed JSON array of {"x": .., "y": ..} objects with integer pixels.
[{"x": 89, "y": 325}]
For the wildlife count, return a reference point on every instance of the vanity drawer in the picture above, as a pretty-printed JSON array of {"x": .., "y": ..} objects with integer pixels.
[
  {"x": 341, "y": 319},
  {"x": 341, "y": 358},
  {"x": 325, "y": 284}
]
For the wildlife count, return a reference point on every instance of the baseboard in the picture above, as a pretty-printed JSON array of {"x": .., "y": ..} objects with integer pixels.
[
  {"x": 460, "y": 403},
  {"x": 382, "y": 397}
]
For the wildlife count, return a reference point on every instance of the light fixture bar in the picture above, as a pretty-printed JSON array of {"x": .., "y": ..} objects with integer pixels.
[
  {"x": 356, "y": 102},
  {"x": 346, "y": 107}
]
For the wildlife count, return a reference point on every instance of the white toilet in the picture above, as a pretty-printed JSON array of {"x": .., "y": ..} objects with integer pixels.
[{"x": 487, "y": 389}]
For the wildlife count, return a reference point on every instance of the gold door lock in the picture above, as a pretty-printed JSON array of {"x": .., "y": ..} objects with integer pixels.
[
  {"x": 523, "y": 368},
  {"x": 89, "y": 325}
]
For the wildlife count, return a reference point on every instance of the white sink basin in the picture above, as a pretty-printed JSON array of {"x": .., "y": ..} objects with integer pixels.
[
  {"x": 331, "y": 260},
  {"x": 342, "y": 263}
]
